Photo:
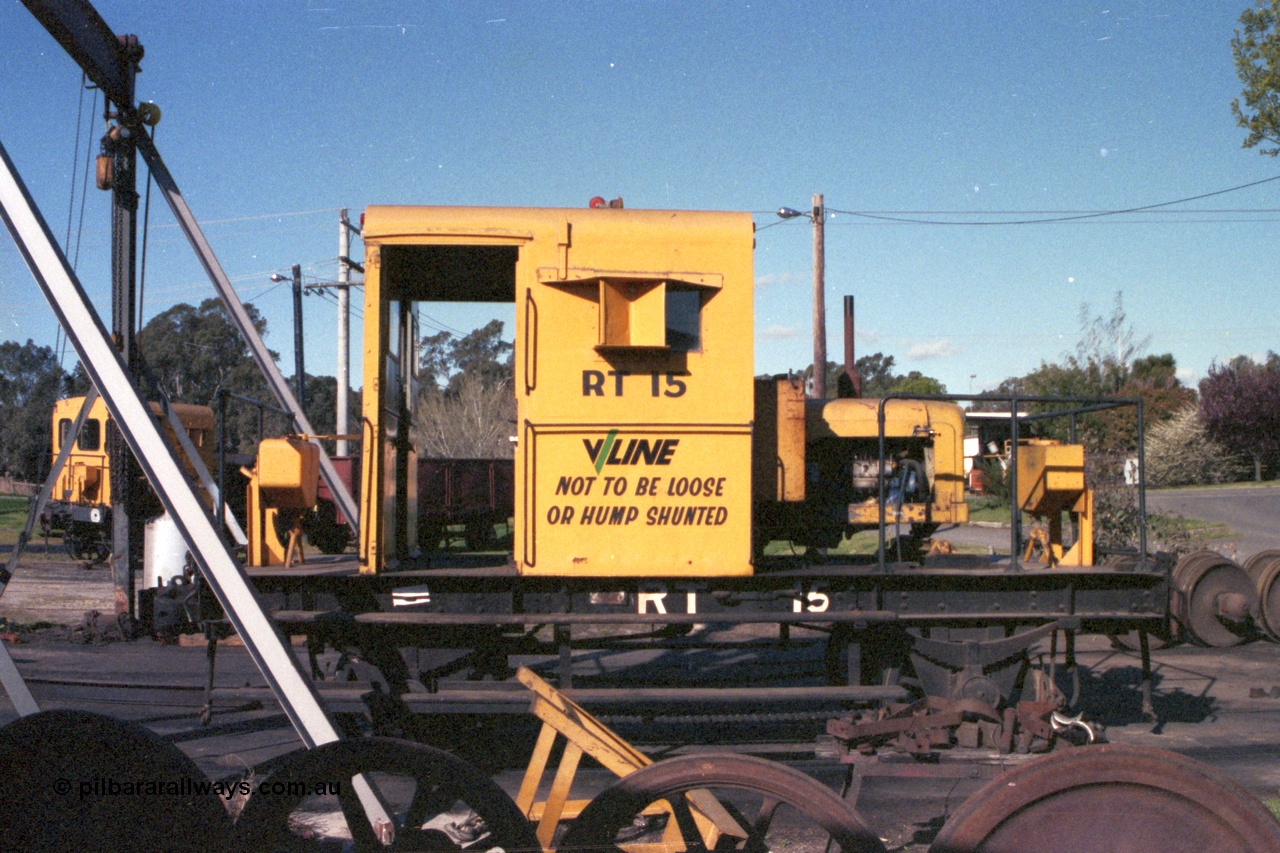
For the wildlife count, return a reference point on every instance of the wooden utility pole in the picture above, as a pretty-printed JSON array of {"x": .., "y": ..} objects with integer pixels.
[
  {"x": 344, "y": 329},
  {"x": 300, "y": 377},
  {"x": 819, "y": 301}
]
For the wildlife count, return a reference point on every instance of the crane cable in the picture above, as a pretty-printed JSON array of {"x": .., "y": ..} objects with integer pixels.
[{"x": 60, "y": 341}]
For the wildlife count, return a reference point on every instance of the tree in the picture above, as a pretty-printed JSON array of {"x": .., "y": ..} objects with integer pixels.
[
  {"x": 195, "y": 352},
  {"x": 1156, "y": 371},
  {"x": 322, "y": 406},
  {"x": 916, "y": 382},
  {"x": 471, "y": 420},
  {"x": 1180, "y": 452},
  {"x": 31, "y": 380},
  {"x": 445, "y": 360},
  {"x": 1107, "y": 363},
  {"x": 1240, "y": 407},
  {"x": 466, "y": 406},
  {"x": 1256, "y": 51},
  {"x": 878, "y": 378},
  {"x": 1107, "y": 347}
]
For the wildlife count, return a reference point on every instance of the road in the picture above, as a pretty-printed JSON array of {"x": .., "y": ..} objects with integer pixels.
[{"x": 1252, "y": 513}]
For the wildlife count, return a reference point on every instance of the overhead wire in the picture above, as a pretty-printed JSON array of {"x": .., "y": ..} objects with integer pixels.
[
  {"x": 1076, "y": 217},
  {"x": 60, "y": 340},
  {"x": 75, "y": 159}
]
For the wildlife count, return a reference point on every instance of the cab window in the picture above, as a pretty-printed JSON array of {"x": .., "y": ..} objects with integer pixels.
[
  {"x": 684, "y": 320},
  {"x": 90, "y": 435}
]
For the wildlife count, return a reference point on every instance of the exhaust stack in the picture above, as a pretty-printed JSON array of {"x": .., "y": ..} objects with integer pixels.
[{"x": 850, "y": 383}]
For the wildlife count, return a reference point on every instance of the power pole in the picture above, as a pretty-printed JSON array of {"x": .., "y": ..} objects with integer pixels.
[
  {"x": 819, "y": 301},
  {"x": 299, "y": 375},
  {"x": 344, "y": 328}
]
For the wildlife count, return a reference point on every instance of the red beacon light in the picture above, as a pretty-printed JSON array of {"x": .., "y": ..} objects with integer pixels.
[{"x": 598, "y": 202}]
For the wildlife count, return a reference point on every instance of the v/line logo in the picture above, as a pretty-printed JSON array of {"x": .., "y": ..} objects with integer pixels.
[{"x": 611, "y": 450}]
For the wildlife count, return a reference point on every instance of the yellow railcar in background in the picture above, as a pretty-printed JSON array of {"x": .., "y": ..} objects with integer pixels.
[{"x": 80, "y": 504}]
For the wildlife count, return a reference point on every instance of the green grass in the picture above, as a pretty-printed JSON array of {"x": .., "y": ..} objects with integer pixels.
[
  {"x": 22, "y": 627},
  {"x": 13, "y": 512},
  {"x": 864, "y": 543},
  {"x": 1172, "y": 527},
  {"x": 988, "y": 509},
  {"x": 1242, "y": 484},
  {"x": 1272, "y": 804},
  {"x": 13, "y": 515}
]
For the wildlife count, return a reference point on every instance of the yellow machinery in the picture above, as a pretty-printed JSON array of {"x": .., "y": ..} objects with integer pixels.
[
  {"x": 1051, "y": 485},
  {"x": 644, "y": 447},
  {"x": 633, "y": 369},
  {"x": 80, "y": 504},
  {"x": 819, "y": 475},
  {"x": 285, "y": 479}
]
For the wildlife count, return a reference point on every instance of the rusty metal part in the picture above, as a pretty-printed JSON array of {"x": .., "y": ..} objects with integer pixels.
[
  {"x": 1216, "y": 599},
  {"x": 720, "y": 798},
  {"x": 86, "y": 782},
  {"x": 1264, "y": 568},
  {"x": 918, "y": 728},
  {"x": 1109, "y": 798},
  {"x": 966, "y": 668},
  {"x": 442, "y": 784},
  {"x": 923, "y": 726},
  {"x": 1034, "y": 717}
]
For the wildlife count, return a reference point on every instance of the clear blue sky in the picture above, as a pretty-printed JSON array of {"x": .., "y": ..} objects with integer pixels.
[{"x": 277, "y": 114}]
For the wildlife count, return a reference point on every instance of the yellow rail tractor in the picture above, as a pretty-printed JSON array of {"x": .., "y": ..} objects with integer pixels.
[
  {"x": 644, "y": 447},
  {"x": 652, "y": 471},
  {"x": 80, "y": 504}
]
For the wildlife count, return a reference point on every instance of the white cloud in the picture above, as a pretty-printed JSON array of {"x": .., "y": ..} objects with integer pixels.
[
  {"x": 776, "y": 331},
  {"x": 933, "y": 349},
  {"x": 774, "y": 278}
]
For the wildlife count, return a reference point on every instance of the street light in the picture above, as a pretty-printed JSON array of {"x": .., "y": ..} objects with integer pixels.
[
  {"x": 819, "y": 296},
  {"x": 299, "y": 376}
]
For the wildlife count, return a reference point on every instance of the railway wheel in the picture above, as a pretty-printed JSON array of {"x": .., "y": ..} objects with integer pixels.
[
  {"x": 86, "y": 542},
  {"x": 86, "y": 782},
  {"x": 698, "y": 803},
  {"x": 441, "y": 803},
  {"x": 1112, "y": 798},
  {"x": 1216, "y": 599},
  {"x": 1264, "y": 568}
]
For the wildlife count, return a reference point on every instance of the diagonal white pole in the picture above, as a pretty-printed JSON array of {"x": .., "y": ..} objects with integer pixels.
[
  {"x": 270, "y": 371},
  {"x": 228, "y": 582},
  {"x": 107, "y": 371}
]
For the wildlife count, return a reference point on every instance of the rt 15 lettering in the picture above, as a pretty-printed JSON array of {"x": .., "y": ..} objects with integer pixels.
[{"x": 608, "y": 383}]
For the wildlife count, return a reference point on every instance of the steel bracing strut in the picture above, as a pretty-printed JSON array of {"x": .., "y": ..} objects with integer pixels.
[{"x": 226, "y": 579}]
